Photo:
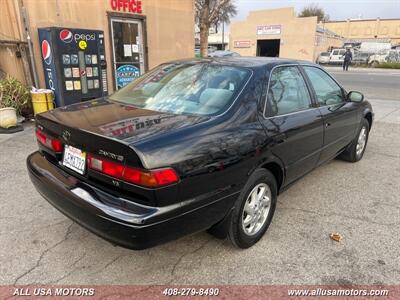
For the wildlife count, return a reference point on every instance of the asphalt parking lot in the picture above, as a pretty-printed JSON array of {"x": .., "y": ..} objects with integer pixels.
[{"x": 360, "y": 201}]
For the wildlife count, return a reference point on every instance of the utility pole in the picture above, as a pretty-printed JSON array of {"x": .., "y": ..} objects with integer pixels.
[
  {"x": 223, "y": 35},
  {"x": 27, "y": 35}
]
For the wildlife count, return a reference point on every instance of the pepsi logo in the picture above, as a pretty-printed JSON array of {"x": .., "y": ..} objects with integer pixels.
[
  {"x": 46, "y": 52},
  {"x": 66, "y": 36}
]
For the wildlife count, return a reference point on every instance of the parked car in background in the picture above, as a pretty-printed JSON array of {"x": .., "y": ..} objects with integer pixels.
[
  {"x": 336, "y": 56},
  {"x": 323, "y": 58},
  {"x": 195, "y": 145},
  {"x": 360, "y": 58},
  {"x": 223, "y": 53},
  {"x": 211, "y": 49},
  {"x": 384, "y": 56}
]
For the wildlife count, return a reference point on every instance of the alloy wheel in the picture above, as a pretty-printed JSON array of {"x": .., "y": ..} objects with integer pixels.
[
  {"x": 256, "y": 209},
  {"x": 362, "y": 140}
]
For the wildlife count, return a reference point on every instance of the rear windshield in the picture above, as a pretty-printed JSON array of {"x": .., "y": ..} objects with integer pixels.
[
  {"x": 325, "y": 54},
  {"x": 198, "y": 89}
]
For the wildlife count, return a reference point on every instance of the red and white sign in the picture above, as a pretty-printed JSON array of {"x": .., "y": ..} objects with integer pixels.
[
  {"x": 132, "y": 6},
  {"x": 269, "y": 29},
  {"x": 241, "y": 44}
]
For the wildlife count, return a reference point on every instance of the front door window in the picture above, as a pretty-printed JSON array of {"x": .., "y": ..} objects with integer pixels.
[
  {"x": 127, "y": 42},
  {"x": 327, "y": 90}
]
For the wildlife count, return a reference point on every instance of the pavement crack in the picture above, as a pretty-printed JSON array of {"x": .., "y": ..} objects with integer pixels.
[
  {"x": 109, "y": 263},
  {"x": 339, "y": 215},
  {"x": 384, "y": 154},
  {"x": 47, "y": 250},
  {"x": 179, "y": 260},
  {"x": 70, "y": 272},
  {"x": 388, "y": 114},
  {"x": 36, "y": 228}
]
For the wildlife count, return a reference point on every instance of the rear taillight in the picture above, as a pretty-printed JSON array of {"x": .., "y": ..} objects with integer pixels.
[
  {"x": 50, "y": 142},
  {"x": 147, "y": 178}
]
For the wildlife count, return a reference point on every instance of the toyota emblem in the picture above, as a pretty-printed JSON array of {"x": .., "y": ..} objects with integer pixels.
[{"x": 66, "y": 135}]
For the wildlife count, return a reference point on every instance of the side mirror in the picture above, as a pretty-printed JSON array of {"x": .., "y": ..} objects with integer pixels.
[{"x": 354, "y": 96}]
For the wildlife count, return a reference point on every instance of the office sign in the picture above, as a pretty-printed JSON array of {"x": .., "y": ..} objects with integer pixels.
[
  {"x": 132, "y": 6},
  {"x": 269, "y": 29}
]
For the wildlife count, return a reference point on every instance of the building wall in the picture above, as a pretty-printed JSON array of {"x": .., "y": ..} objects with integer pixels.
[
  {"x": 323, "y": 43},
  {"x": 367, "y": 29},
  {"x": 297, "y": 36},
  {"x": 170, "y": 27},
  {"x": 10, "y": 30}
]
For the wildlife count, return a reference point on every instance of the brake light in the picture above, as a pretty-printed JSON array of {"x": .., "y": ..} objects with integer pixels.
[
  {"x": 147, "y": 178},
  {"x": 52, "y": 143}
]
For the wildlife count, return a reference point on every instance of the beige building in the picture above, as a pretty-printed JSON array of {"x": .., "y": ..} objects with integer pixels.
[
  {"x": 367, "y": 30},
  {"x": 279, "y": 33},
  {"x": 157, "y": 30}
]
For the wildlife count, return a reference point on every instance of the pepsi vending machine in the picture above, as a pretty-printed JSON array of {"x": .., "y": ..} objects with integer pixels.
[{"x": 74, "y": 63}]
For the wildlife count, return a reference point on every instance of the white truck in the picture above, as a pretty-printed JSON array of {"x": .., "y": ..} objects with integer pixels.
[
  {"x": 389, "y": 55},
  {"x": 374, "y": 47},
  {"x": 336, "y": 56}
]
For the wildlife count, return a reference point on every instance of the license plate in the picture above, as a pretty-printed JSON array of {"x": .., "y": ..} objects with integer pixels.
[{"x": 74, "y": 159}]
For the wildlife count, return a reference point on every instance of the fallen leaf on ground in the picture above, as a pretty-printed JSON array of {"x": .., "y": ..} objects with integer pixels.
[{"x": 336, "y": 236}]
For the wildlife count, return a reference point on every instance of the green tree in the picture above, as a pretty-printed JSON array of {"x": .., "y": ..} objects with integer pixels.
[{"x": 314, "y": 10}]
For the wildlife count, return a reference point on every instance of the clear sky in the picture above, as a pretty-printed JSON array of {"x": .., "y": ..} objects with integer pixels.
[{"x": 336, "y": 9}]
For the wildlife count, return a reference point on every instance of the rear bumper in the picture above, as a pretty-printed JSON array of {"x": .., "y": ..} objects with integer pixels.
[{"x": 119, "y": 221}]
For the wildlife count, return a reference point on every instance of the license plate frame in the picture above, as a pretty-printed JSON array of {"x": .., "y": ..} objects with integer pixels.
[{"x": 74, "y": 159}]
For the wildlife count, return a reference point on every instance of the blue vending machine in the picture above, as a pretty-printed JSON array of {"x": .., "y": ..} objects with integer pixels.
[{"x": 74, "y": 63}]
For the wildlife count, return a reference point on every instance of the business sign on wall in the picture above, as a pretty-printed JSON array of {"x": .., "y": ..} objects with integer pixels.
[
  {"x": 268, "y": 29},
  {"x": 241, "y": 44},
  {"x": 132, "y": 6}
]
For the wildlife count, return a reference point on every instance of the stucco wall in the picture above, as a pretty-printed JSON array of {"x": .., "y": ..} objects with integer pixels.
[
  {"x": 170, "y": 26},
  {"x": 367, "y": 29},
  {"x": 297, "y": 36}
]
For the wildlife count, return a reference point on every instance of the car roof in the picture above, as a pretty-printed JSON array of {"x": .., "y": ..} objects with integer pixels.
[{"x": 246, "y": 61}]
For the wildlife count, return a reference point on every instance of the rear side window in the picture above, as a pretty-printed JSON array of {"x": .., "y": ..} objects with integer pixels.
[
  {"x": 327, "y": 90},
  {"x": 287, "y": 92},
  {"x": 335, "y": 52}
]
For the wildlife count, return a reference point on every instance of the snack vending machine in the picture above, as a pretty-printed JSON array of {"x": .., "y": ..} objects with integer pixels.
[{"x": 74, "y": 63}]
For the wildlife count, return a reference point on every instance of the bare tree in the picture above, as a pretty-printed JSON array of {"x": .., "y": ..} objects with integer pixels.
[
  {"x": 314, "y": 10},
  {"x": 211, "y": 13}
]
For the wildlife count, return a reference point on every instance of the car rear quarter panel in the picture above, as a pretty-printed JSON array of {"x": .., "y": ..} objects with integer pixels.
[{"x": 214, "y": 158}]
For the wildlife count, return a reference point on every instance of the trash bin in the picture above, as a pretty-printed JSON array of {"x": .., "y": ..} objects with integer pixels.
[{"x": 42, "y": 100}]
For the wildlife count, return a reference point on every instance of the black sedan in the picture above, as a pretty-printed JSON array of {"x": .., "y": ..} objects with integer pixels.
[{"x": 195, "y": 145}]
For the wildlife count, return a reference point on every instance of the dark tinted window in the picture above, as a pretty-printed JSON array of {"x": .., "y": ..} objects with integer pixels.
[
  {"x": 327, "y": 90},
  {"x": 287, "y": 92}
]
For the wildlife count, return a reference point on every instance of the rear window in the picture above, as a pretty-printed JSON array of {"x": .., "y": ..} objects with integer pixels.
[{"x": 198, "y": 89}]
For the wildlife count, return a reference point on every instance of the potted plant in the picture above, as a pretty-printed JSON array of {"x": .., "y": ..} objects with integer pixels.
[{"x": 14, "y": 98}]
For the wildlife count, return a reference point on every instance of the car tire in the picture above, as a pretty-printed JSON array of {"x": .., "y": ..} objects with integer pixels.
[
  {"x": 374, "y": 64},
  {"x": 355, "y": 151},
  {"x": 239, "y": 231}
]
